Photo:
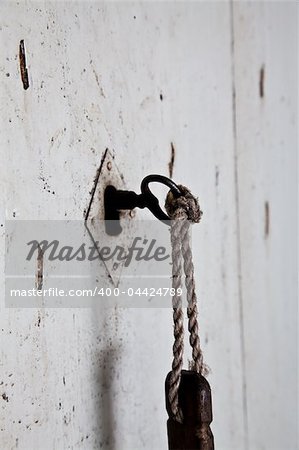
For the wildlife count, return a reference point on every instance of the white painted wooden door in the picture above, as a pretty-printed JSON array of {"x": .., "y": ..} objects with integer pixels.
[{"x": 208, "y": 92}]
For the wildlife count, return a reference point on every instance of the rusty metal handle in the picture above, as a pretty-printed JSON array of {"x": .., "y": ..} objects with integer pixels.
[{"x": 152, "y": 203}]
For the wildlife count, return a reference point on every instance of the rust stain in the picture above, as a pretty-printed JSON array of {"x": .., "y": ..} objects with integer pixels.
[
  {"x": 216, "y": 176},
  {"x": 267, "y": 219},
  {"x": 262, "y": 81},
  {"x": 172, "y": 158},
  {"x": 23, "y": 68},
  {"x": 39, "y": 278}
]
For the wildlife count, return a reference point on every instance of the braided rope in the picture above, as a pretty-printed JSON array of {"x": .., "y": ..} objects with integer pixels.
[
  {"x": 178, "y": 320},
  {"x": 182, "y": 211},
  {"x": 191, "y": 299}
]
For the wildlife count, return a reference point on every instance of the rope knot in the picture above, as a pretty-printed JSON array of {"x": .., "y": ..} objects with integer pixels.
[{"x": 184, "y": 207}]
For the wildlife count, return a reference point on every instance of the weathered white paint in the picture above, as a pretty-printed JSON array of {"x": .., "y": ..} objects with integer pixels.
[
  {"x": 95, "y": 379},
  {"x": 265, "y": 36}
]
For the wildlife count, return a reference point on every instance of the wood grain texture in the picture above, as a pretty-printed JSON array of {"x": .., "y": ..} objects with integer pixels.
[{"x": 265, "y": 40}]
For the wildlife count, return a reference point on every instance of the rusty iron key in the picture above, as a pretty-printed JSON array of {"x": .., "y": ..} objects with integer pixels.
[{"x": 195, "y": 402}]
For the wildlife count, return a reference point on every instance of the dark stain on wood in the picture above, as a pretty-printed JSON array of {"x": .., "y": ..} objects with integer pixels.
[
  {"x": 23, "y": 68},
  {"x": 267, "y": 219},
  {"x": 262, "y": 82},
  {"x": 5, "y": 398},
  {"x": 216, "y": 176},
  {"x": 172, "y": 158},
  {"x": 40, "y": 269}
]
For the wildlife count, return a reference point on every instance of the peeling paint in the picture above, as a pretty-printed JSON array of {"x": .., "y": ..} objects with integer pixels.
[{"x": 97, "y": 78}]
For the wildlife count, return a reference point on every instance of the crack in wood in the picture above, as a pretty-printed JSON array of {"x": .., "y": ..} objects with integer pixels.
[
  {"x": 95, "y": 182},
  {"x": 172, "y": 158}
]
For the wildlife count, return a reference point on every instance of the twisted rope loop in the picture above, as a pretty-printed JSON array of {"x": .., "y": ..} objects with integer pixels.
[{"x": 183, "y": 211}]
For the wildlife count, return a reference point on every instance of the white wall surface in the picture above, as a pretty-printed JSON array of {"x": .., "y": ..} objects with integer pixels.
[{"x": 84, "y": 379}]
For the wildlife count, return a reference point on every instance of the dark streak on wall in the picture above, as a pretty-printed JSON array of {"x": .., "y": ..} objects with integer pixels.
[
  {"x": 23, "y": 68},
  {"x": 216, "y": 176},
  {"x": 267, "y": 219},
  {"x": 262, "y": 81},
  {"x": 172, "y": 158},
  {"x": 40, "y": 269}
]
